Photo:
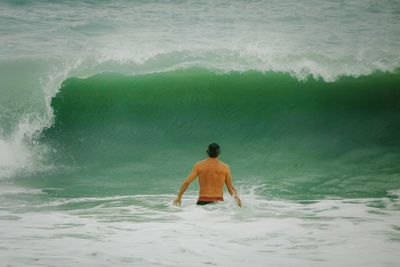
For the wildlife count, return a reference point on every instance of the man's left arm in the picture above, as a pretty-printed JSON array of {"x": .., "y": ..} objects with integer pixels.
[
  {"x": 192, "y": 175},
  {"x": 231, "y": 189}
]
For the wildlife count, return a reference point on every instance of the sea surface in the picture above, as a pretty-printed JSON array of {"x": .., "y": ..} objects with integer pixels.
[{"x": 106, "y": 105}]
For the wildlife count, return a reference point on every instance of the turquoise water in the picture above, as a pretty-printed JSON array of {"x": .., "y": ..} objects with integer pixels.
[
  {"x": 106, "y": 105},
  {"x": 309, "y": 139}
]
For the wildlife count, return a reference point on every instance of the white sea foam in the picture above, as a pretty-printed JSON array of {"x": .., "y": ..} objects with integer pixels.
[
  {"x": 15, "y": 154},
  {"x": 148, "y": 231},
  {"x": 19, "y": 151}
]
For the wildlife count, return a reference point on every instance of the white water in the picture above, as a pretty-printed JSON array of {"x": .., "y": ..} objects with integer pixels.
[{"x": 148, "y": 231}]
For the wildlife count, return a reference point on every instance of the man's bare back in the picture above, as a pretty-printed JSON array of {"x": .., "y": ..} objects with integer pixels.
[{"x": 212, "y": 174}]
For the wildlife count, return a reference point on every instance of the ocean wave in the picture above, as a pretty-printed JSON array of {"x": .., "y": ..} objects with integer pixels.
[{"x": 49, "y": 42}]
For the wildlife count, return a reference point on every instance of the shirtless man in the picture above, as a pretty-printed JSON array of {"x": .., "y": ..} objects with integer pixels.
[{"x": 213, "y": 174}]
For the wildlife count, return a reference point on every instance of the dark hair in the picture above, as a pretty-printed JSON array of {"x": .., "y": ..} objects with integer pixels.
[{"x": 213, "y": 150}]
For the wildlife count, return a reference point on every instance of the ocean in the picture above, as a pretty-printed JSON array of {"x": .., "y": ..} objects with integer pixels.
[{"x": 106, "y": 105}]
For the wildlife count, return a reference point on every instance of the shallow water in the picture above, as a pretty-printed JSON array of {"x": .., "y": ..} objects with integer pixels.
[{"x": 147, "y": 230}]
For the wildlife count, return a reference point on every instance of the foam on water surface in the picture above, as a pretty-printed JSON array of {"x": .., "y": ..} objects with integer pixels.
[{"x": 149, "y": 231}]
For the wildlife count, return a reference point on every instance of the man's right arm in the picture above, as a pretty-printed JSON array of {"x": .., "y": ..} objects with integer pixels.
[
  {"x": 231, "y": 188},
  {"x": 193, "y": 174}
]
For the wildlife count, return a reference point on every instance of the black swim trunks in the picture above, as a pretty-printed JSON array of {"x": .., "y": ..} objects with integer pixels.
[
  {"x": 202, "y": 203},
  {"x": 202, "y": 200}
]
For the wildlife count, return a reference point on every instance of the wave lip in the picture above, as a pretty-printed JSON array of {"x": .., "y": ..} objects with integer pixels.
[{"x": 337, "y": 39}]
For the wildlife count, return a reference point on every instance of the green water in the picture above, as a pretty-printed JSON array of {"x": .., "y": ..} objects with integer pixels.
[{"x": 122, "y": 134}]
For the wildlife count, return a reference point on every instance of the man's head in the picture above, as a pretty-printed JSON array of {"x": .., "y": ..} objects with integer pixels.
[{"x": 213, "y": 150}]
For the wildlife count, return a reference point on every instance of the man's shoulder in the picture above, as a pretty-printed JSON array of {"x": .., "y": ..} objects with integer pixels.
[
  {"x": 199, "y": 163},
  {"x": 225, "y": 165}
]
